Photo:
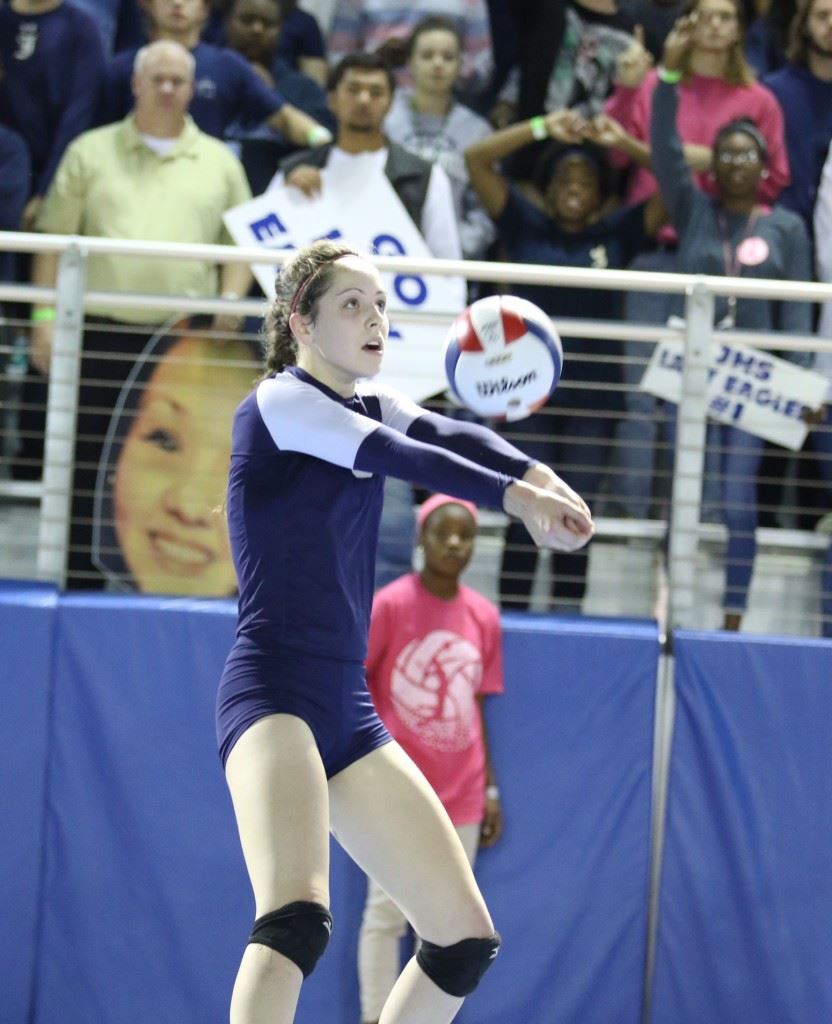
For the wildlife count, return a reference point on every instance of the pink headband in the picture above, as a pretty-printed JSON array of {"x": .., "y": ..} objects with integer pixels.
[{"x": 437, "y": 501}]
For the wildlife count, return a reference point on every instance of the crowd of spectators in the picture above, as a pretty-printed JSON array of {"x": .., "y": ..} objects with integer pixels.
[{"x": 549, "y": 132}]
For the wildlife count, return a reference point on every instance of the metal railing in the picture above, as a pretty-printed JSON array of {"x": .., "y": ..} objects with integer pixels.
[{"x": 684, "y": 528}]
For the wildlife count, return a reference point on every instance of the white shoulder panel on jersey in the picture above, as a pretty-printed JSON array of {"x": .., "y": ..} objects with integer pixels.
[
  {"x": 397, "y": 410},
  {"x": 301, "y": 418}
]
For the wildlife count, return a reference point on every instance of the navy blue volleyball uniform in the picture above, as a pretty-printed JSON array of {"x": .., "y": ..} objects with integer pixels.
[{"x": 304, "y": 503}]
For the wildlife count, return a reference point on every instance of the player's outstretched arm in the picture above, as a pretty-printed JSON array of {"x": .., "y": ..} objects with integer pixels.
[
  {"x": 543, "y": 476},
  {"x": 470, "y": 440},
  {"x": 557, "y": 521}
]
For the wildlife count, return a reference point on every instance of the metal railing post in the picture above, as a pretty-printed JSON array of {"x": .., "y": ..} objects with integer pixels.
[
  {"x": 688, "y": 468},
  {"x": 689, "y": 458},
  {"x": 61, "y": 409}
]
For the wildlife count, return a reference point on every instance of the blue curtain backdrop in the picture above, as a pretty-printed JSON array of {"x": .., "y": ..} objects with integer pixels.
[
  {"x": 124, "y": 895},
  {"x": 745, "y": 917},
  {"x": 144, "y": 907},
  {"x": 27, "y": 622}
]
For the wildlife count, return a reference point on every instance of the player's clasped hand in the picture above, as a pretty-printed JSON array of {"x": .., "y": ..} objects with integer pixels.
[{"x": 558, "y": 520}]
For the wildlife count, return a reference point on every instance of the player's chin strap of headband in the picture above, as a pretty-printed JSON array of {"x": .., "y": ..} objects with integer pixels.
[{"x": 309, "y": 278}]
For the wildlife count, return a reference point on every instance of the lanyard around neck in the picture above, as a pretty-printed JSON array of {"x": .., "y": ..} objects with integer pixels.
[{"x": 730, "y": 260}]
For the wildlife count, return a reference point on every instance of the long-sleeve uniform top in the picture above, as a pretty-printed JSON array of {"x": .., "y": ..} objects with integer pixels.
[
  {"x": 305, "y": 498},
  {"x": 696, "y": 217}
]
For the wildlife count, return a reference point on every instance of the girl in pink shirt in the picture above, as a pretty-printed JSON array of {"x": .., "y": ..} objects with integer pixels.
[
  {"x": 717, "y": 86},
  {"x": 434, "y": 654}
]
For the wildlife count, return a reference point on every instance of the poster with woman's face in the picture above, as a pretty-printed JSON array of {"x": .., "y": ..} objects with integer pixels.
[{"x": 159, "y": 511}]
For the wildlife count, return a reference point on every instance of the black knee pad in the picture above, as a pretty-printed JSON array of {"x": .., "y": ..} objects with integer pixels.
[
  {"x": 458, "y": 969},
  {"x": 300, "y": 931}
]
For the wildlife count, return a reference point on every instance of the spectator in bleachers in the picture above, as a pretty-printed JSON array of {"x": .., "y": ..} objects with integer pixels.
[
  {"x": 360, "y": 94},
  {"x": 768, "y": 30},
  {"x": 51, "y": 61},
  {"x": 575, "y": 427},
  {"x": 159, "y": 526},
  {"x": 537, "y": 32},
  {"x": 120, "y": 23},
  {"x": 579, "y": 71},
  {"x": 573, "y": 68},
  {"x": 731, "y": 234},
  {"x": 820, "y": 440},
  {"x": 15, "y": 183},
  {"x": 301, "y": 43},
  {"x": 153, "y": 176},
  {"x": 717, "y": 85},
  {"x": 254, "y": 30},
  {"x": 385, "y": 25},
  {"x": 427, "y": 120},
  {"x": 803, "y": 87},
  {"x": 226, "y": 87}
]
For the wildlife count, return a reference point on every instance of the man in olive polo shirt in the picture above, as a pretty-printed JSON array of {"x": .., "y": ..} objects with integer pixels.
[{"x": 152, "y": 176}]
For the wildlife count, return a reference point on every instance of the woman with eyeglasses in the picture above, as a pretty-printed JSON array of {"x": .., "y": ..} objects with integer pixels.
[
  {"x": 717, "y": 85},
  {"x": 733, "y": 234}
]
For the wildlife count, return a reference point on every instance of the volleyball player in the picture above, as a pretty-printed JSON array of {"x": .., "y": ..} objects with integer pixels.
[{"x": 303, "y": 748}]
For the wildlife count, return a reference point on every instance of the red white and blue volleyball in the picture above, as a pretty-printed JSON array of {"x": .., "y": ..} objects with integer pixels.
[{"x": 503, "y": 357}]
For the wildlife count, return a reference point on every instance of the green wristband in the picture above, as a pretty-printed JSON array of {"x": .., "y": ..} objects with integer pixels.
[
  {"x": 43, "y": 315},
  {"x": 318, "y": 135},
  {"x": 538, "y": 127},
  {"x": 669, "y": 77}
]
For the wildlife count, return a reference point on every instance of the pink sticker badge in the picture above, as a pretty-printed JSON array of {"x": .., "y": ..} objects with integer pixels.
[{"x": 751, "y": 252}]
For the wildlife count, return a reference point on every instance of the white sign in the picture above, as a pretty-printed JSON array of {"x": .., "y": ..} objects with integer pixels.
[
  {"x": 747, "y": 388},
  {"x": 358, "y": 204}
]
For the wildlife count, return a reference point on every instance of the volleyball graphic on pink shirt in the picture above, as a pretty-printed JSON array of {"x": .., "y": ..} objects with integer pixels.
[
  {"x": 503, "y": 357},
  {"x": 433, "y": 687}
]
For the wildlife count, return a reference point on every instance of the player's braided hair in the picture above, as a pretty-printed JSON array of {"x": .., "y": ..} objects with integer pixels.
[{"x": 299, "y": 286}]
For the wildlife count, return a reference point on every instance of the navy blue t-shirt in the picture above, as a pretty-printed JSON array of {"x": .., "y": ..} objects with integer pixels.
[
  {"x": 227, "y": 89},
  {"x": 51, "y": 73},
  {"x": 300, "y": 36},
  {"x": 15, "y": 177},
  {"x": 531, "y": 236},
  {"x": 807, "y": 113}
]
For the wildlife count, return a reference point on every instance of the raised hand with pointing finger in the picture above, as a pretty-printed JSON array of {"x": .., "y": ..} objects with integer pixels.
[{"x": 679, "y": 42}]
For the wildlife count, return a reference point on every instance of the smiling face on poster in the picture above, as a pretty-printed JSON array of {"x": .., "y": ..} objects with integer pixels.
[{"x": 357, "y": 204}]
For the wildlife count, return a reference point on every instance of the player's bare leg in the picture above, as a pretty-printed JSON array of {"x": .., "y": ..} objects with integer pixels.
[
  {"x": 387, "y": 817},
  {"x": 279, "y": 791}
]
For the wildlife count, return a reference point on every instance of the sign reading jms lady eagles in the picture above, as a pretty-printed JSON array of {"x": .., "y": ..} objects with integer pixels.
[
  {"x": 358, "y": 204},
  {"x": 747, "y": 388}
]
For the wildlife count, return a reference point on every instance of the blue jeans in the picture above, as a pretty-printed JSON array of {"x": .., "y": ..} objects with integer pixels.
[
  {"x": 578, "y": 447},
  {"x": 637, "y": 432},
  {"x": 732, "y": 463}
]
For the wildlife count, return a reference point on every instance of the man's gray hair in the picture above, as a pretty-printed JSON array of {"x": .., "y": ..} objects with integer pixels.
[{"x": 146, "y": 53}]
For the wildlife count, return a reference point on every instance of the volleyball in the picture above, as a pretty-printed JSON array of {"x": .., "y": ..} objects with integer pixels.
[{"x": 503, "y": 357}]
